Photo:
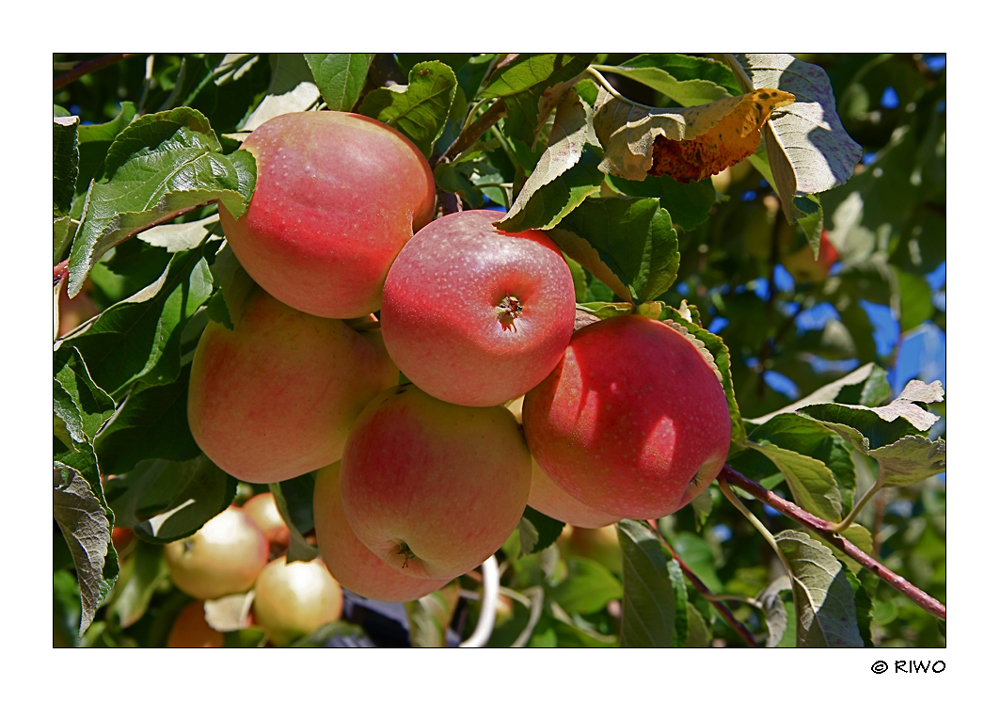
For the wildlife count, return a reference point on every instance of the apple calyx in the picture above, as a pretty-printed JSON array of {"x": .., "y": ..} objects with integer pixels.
[
  {"x": 508, "y": 310},
  {"x": 406, "y": 552}
]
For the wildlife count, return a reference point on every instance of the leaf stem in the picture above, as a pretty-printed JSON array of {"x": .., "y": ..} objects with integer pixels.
[
  {"x": 846, "y": 521},
  {"x": 611, "y": 89},
  {"x": 758, "y": 525},
  {"x": 825, "y": 530},
  {"x": 724, "y": 611}
]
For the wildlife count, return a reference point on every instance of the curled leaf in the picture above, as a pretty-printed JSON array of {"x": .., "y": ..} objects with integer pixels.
[{"x": 685, "y": 143}]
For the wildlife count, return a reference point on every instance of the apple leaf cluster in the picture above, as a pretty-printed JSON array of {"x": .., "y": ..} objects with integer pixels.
[{"x": 769, "y": 263}]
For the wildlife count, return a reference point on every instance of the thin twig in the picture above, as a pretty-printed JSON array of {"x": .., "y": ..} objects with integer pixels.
[
  {"x": 703, "y": 589},
  {"x": 825, "y": 530},
  {"x": 85, "y": 67}
]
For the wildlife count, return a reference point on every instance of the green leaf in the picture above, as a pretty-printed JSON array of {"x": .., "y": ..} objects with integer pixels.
[
  {"x": 689, "y": 69},
  {"x": 420, "y": 109},
  {"x": 531, "y": 86},
  {"x": 807, "y": 437},
  {"x": 775, "y": 612},
  {"x": 565, "y": 174},
  {"x": 163, "y": 501},
  {"x": 94, "y": 142},
  {"x": 807, "y": 146},
  {"x": 698, "y": 634},
  {"x": 587, "y": 587},
  {"x": 688, "y": 203},
  {"x": 160, "y": 163},
  {"x": 294, "y": 498},
  {"x": 654, "y": 601},
  {"x": 139, "y": 337},
  {"x": 326, "y": 632},
  {"x": 255, "y": 637},
  {"x": 824, "y": 597},
  {"x": 914, "y": 300},
  {"x": 851, "y": 384},
  {"x": 152, "y": 424},
  {"x": 85, "y": 527},
  {"x": 537, "y": 531},
  {"x": 910, "y": 460},
  {"x": 65, "y": 162},
  {"x": 812, "y": 484},
  {"x": 720, "y": 357},
  {"x": 474, "y": 177},
  {"x": 143, "y": 573},
  {"x": 652, "y": 71},
  {"x": 634, "y": 238},
  {"x": 699, "y": 558},
  {"x": 339, "y": 77},
  {"x": 79, "y": 402}
]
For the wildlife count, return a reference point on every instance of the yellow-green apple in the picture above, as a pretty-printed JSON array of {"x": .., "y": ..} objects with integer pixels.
[
  {"x": 350, "y": 562},
  {"x": 550, "y": 499},
  {"x": 275, "y": 398},
  {"x": 432, "y": 488},
  {"x": 337, "y": 196},
  {"x": 600, "y": 545},
  {"x": 264, "y": 511},
  {"x": 633, "y": 421},
  {"x": 191, "y": 629},
  {"x": 804, "y": 266},
  {"x": 222, "y": 558},
  {"x": 475, "y": 316},
  {"x": 294, "y": 599}
]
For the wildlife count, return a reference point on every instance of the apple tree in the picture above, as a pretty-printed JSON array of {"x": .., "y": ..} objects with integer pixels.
[{"x": 778, "y": 219}]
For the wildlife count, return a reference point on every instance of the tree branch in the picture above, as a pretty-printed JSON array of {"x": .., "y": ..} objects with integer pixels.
[
  {"x": 703, "y": 589},
  {"x": 825, "y": 530},
  {"x": 85, "y": 67}
]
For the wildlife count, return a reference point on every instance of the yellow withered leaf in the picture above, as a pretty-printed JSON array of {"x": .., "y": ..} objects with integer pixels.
[{"x": 685, "y": 143}]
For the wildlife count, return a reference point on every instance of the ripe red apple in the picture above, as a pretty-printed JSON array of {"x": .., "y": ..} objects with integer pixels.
[
  {"x": 348, "y": 560},
  {"x": 294, "y": 599},
  {"x": 475, "y": 316},
  {"x": 433, "y": 489},
  {"x": 263, "y": 510},
  {"x": 276, "y": 398},
  {"x": 222, "y": 558},
  {"x": 803, "y": 266},
  {"x": 191, "y": 629},
  {"x": 550, "y": 499},
  {"x": 633, "y": 421},
  {"x": 337, "y": 196}
]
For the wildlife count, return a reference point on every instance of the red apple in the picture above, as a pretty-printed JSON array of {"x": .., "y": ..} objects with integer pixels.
[
  {"x": 337, "y": 196},
  {"x": 263, "y": 510},
  {"x": 633, "y": 421},
  {"x": 550, "y": 499},
  {"x": 348, "y": 560},
  {"x": 294, "y": 599},
  {"x": 191, "y": 629},
  {"x": 222, "y": 558},
  {"x": 434, "y": 489},
  {"x": 475, "y": 316},
  {"x": 276, "y": 398}
]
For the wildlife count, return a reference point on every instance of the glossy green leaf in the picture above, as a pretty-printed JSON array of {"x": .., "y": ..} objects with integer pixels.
[
  {"x": 654, "y": 602},
  {"x": 537, "y": 531},
  {"x": 65, "y": 162},
  {"x": 420, "y": 109},
  {"x": 294, "y": 498},
  {"x": 144, "y": 572},
  {"x": 163, "y": 501},
  {"x": 652, "y": 71},
  {"x": 688, "y": 203},
  {"x": 812, "y": 484},
  {"x": 79, "y": 402},
  {"x": 160, "y": 163},
  {"x": 824, "y": 597},
  {"x": 587, "y": 587},
  {"x": 339, "y": 77}
]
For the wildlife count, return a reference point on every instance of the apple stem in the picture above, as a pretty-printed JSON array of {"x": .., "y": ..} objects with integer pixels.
[
  {"x": 826, "y": 531},
  {"x": 701, "y": 587}
]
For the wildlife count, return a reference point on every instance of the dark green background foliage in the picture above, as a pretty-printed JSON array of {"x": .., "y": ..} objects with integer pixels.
[{"x": 711, "y": 257}]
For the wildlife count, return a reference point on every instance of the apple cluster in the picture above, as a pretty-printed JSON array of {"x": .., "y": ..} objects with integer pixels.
[{"x": 502, "y": 403}]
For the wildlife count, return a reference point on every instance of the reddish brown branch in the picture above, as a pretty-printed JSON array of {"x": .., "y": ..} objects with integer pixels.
[
  {"x": 825, "y": 530},
  {"x": 61, "y": 269},
  {"x": 85, "y": 67},
  {"x": 703, "y": 589},
  {"x": 475, "y": 130}
]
